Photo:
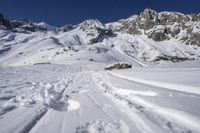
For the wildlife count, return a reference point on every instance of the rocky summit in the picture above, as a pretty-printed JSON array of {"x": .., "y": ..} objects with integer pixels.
[{"x": 162, "y": 26}]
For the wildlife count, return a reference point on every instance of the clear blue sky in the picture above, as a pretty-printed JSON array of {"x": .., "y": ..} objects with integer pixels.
[{"x": 61, "y": 12}]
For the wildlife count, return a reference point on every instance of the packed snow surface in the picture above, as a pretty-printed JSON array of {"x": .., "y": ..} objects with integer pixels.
[{"x": 81, "y": 97}]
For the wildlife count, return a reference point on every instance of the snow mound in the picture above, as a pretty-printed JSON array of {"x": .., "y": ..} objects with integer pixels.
[{"x": 73, "y": 105}]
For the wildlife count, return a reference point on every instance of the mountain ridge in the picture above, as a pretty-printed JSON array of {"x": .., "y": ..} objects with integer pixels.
[
  {"x": 163, "y": 25},
  {"x": 149, "y": 37}
]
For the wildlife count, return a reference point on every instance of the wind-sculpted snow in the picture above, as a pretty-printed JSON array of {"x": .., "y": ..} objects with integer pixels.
[
  {"x": 172, "y": 86},
  {"x": 131, "y": 102},
  {"x": 81, "y": 97}
]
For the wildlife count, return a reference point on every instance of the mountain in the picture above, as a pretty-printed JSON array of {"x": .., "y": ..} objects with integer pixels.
[
  {"x": 162, "y": 26},
  {"x": 136, "y": 75},
  {"x": 144, "y": 39}
]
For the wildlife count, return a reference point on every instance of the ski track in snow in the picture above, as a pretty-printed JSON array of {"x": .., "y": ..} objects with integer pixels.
[
  {"x": 47, "y": 95},
  {"x": 169, "y": 119},
  {"x": 89, "y": 101},
  {"x": 171, "y": 86}
]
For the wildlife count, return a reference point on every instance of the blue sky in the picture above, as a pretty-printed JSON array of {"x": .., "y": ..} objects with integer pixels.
[{"x": 61, "y": 12}]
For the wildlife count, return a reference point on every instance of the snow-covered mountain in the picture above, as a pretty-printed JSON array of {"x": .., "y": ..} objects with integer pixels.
[
  {"x": 59, "y": 79},
  {"x": 150, "y": 37}
]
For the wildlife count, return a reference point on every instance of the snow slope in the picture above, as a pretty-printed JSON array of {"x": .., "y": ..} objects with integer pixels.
[
  {"x": 90, "y": 40},
  {"x": 53, "y": 79},
  {"x": 82, "y": 97}
]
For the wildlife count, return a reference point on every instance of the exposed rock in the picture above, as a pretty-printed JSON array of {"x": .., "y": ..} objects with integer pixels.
[
  {"x": 130, "y": 25},
  {"x": 185, "y": 28},
  {"x": 173, "y": 59},
  {"x": 158, "y": 36},
  {"x": 91, "y": 24},
  {"x": 157, "y": 26},
  {"x": 17, "y": 24},
  {"x": 23, "y": 26},
  {"x": 91, "y": 59},
  {"x": 159, "y": 33},
  {"x": 195, "y": 17},
  {"x": 147, "y": 19},
  {"x": 194, "y": 39},
  {"x": 170, "y": 18},
  {"x": 119, "y": 66},
  {"x": 96, "y": 30},
  {"x": 4, "y": 22},
  {"x": 66, "y": 28},
  {"x": 32, "y": 27},
  {"x": 102, "y": 34},
  {"x": 174, "y": 32}
]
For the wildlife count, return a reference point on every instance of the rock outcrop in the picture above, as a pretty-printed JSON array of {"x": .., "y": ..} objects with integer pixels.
[
  {"x": 4, "y": 22},
  {"x": 162, "y": 26}
]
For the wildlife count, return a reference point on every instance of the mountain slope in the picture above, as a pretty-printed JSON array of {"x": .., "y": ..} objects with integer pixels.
[
  {"x": 54, "y": 79},
  {"x": 150, "y": 37}
]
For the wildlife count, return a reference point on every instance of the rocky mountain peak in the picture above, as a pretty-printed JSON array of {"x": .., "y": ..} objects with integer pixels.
[
  {"x": 4, "y": 22},
  {"x": 147, "y": 19},
  {"x": 157, "y": 26},
  {"x": 148, "y": 14},
  {"x": 162, "y": 26},
  {"x": 91, "y": 24},
  {"x": 23, "y": 26}
]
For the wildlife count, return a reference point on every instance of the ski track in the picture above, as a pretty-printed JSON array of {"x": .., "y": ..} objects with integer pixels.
[
  {"x": 171, "y": 86},
  {"x": 169, "y": 119},
  {"x": 142, "y": 127},
  {"x": 33, "y": 122},
  {"x": 46, "y": 104},
  {"x": 49, "y": 95}
]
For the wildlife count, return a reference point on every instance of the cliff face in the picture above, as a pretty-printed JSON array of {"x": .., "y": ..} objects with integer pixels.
[{"x": 162, "y": 26}]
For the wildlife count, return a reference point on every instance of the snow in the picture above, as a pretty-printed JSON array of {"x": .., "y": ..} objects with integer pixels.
[
  {"x": 73, "y": 105},
  {"x": 79, "y": 97},
  {"x": 131, "y": 92},
  {"x": 55, "y": 82},
  {"x": 18, "y": 49},
  {"x": 46, "y": 26},
  {"x": 103, "y": 126},
  {"x": 178, "y": 87}
]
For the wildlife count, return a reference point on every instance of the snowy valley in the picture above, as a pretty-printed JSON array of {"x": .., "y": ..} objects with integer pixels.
[{"x": 52, "y": 79}]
